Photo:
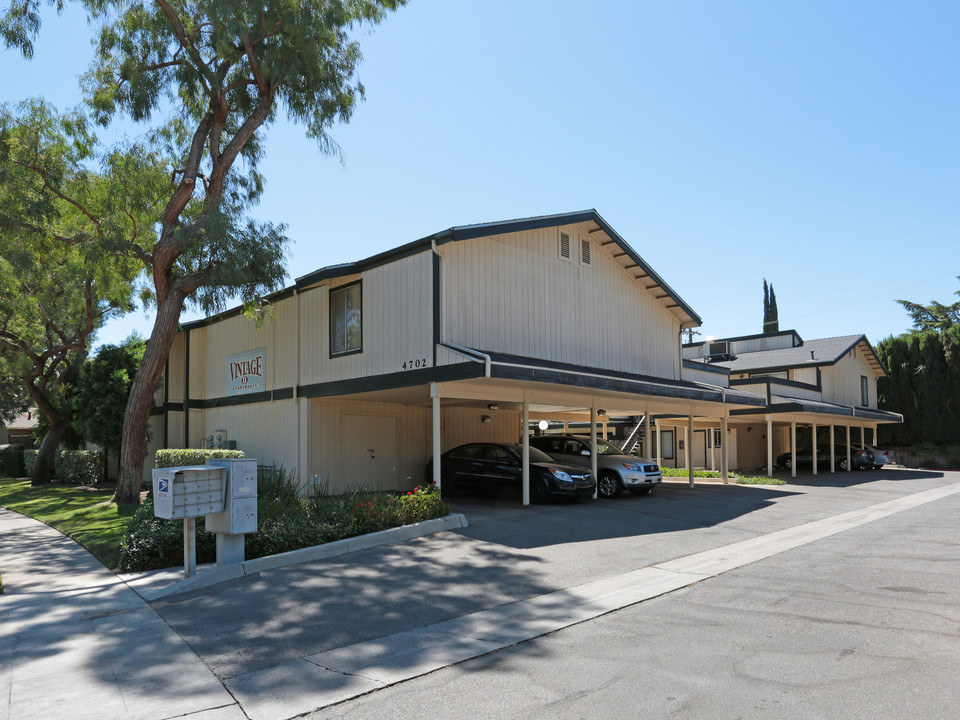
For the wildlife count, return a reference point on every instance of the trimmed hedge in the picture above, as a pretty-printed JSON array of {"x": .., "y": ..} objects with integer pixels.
[
  {"x": 79, "y": 467},
  {"x": 11, "y": 461},
  {"x": 191, "y": 456}
]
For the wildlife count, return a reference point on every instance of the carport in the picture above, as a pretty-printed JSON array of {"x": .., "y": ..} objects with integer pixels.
[
  {"x": 790, "y": 413},
  {"x": 554, "y": 391}
]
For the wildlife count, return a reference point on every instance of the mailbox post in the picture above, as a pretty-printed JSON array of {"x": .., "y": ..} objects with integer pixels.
[
  {"x": 239, "y": 513},
  {"x": 187, "y": 493}
]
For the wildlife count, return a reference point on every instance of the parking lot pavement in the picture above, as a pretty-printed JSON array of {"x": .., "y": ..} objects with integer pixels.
[{"x": 290, "y": 640}]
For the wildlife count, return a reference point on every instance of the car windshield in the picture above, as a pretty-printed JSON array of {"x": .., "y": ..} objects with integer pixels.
[{"x": 607, "y": 448}]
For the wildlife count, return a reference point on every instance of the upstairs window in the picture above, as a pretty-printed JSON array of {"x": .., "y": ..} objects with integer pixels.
[{"x": 346, "y": 320}]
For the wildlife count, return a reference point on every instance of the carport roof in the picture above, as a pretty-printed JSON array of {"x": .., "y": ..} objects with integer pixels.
[
  {"x": 782, "y": 404},
  {"x": 533, "y": 369}
]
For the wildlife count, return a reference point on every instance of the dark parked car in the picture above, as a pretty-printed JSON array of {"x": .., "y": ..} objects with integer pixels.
[
  {"x": 616, "y": 469},
  {"x": 495, "y": 466},
  {"x": 859, "y": 459}
]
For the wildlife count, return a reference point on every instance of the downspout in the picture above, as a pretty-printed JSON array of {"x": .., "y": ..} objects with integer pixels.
[
  {"x": 437, "y": 293},
  {"x": 472, "y": 354}
]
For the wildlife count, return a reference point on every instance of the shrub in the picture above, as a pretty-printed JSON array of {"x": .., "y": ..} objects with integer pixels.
[
  {"x": 11, "y": 461},
  {"x": 191, "y": 456},
  {"x": 29, "y": 460},
  {"x": 153, "y": 543},
  {"x": 79, "y": 467},
  {"x": 759, "y": 480},
  {"x": 423, "y": 503},
  {"x": 683, "y": 472}
]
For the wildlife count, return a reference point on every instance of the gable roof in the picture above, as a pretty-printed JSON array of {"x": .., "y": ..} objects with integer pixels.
[
  {"x": 812, "y": 353},
  {"x": 625, "y": 255}
]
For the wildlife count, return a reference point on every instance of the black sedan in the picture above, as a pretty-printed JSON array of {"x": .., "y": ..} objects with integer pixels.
[{"x": 495, "y": 466}]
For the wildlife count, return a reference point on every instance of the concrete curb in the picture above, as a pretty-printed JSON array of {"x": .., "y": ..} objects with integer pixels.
[{"x": 211, "y": 574}]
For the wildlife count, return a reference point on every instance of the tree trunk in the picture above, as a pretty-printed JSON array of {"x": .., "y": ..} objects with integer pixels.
[
  {"x": 43, "y": 466},
  {"x": 133, "y": 447}
]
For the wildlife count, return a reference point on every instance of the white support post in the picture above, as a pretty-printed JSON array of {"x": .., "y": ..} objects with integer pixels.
[
  {"x": 189, "y": 547},
  {"x": 863, "y": 438},
  {"x": 713, "y": 448},
  {"x": 689, "y": 446},
  {"x": 848, "y": 448},
  {"x": 813, "y": 432},
  {"x": 833, "y": 454},
  {"x": 436, "y": 435},
  {"x": 793, "y": 448},
  {"x": 647, "y": 437},
  {"x": 724, "y": 455},
  {"x": 526, "y": 451},
  {"x": 659, "y": 444},
  {"x": 769, "y": 446},
  {"x": 593, "y": 447}
]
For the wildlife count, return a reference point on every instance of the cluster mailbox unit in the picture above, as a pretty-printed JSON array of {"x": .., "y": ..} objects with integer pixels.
[{"x": 225, "y": 491}]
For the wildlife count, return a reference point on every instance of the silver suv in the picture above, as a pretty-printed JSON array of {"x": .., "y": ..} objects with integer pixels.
[{"x": 615, "y": 469}]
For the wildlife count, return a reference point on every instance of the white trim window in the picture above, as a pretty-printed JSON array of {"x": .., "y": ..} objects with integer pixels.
[{"x": 346, "y": 319}]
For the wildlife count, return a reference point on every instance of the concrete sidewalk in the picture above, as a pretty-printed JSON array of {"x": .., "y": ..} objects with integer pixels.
[{"x": 76, "y": 642}]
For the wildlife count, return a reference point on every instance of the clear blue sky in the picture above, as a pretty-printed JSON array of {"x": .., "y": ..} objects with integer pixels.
[{"x": 814, "y": 144}]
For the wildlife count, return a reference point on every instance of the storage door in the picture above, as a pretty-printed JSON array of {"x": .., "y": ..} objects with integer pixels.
[{"x": 369, "y": 452}]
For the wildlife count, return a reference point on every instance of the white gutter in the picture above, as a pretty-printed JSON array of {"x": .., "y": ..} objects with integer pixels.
[{"x": 472, "y": 354}]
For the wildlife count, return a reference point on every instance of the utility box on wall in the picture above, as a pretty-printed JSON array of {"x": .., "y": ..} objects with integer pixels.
[{"x": 188, "y": 492}]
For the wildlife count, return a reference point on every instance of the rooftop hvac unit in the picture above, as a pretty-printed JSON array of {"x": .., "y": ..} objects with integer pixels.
[{"x": 719, "y": 350}]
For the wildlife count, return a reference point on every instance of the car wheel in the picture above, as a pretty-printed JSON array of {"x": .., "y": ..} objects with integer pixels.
[
  {"x": 608, "y": 485},
  {"x": 842, "y": 464},
  {"x": 788, "y": 463},
  {"x": 877, "y": 467},
  {"x": 642, "y": 491},
  {"x": 538, "y": 491}
]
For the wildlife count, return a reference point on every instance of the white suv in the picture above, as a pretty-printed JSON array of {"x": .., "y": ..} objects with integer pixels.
[{"x": 616, "y": 470}]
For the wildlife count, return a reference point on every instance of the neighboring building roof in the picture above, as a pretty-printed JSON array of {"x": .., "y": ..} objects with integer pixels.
[
  {"x": 812, "y": 353},
  {"x": 801, "y": 405},
  {"x": 23, "y": 421}
]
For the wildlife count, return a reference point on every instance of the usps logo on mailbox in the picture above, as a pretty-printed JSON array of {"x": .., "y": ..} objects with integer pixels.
[{"x": 163, "y": 487}]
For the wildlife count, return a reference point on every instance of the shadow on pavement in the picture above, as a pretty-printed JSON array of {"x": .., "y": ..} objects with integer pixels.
[{"x": 857, "y": 477}]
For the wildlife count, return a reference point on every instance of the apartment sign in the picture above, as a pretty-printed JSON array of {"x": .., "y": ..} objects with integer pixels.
[{"x": 245, "y": 372}]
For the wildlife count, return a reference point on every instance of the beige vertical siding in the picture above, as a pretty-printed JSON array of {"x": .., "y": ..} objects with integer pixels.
[
  {"x": 841, "y": 382},
  {"x": 513, "y": 294},
  {"x": 175, "y": 366},
  {"x": 804, "y": 375},
  {"x": 397, "y": 323},
  {"x": 324, "y": 453},
  {"x": 465, "y": 425},
  {"x": 267, "y": 431},
  {"x": 705, "y": 376}
]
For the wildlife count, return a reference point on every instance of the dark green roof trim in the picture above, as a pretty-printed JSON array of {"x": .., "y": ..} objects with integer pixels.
[
  {"x": 824, "y": 409},
  {"x": 777, "y": 381}
]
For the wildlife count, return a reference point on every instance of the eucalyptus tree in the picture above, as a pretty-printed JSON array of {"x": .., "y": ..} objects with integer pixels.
[
  {"x": 223, "y": 70},
  {"x": 63, "y": 210}
]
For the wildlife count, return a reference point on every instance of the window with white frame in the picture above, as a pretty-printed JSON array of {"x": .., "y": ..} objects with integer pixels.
[
  {"x": 864, "y": 391},
  {"x": 346, "y": 319},
  {"x": 585, "y": 252},
  {"x": 564, "y": 249}
]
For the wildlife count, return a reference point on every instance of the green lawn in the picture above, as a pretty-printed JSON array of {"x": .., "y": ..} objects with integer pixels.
[{"x": 84, "y": 514}]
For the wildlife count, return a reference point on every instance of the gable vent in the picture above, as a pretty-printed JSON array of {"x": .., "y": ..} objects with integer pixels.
[
  {"x": 584, "y": 251},
  {"x": 565, "y": 245}
]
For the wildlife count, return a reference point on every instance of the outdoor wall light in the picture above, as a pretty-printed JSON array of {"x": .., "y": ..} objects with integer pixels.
[
  {"x": 492, "y": 406},
  {"x": 484, "y": 418},
  {"x": 601, "y": 412}
]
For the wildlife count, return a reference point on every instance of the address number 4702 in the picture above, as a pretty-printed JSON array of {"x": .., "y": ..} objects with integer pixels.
[{"x": 414, "y": 364}]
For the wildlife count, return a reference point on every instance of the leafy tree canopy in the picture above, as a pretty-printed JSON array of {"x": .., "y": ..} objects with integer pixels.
[
  {"x": 935, "y": 316},
  {"x": 224, "y": 69}
]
